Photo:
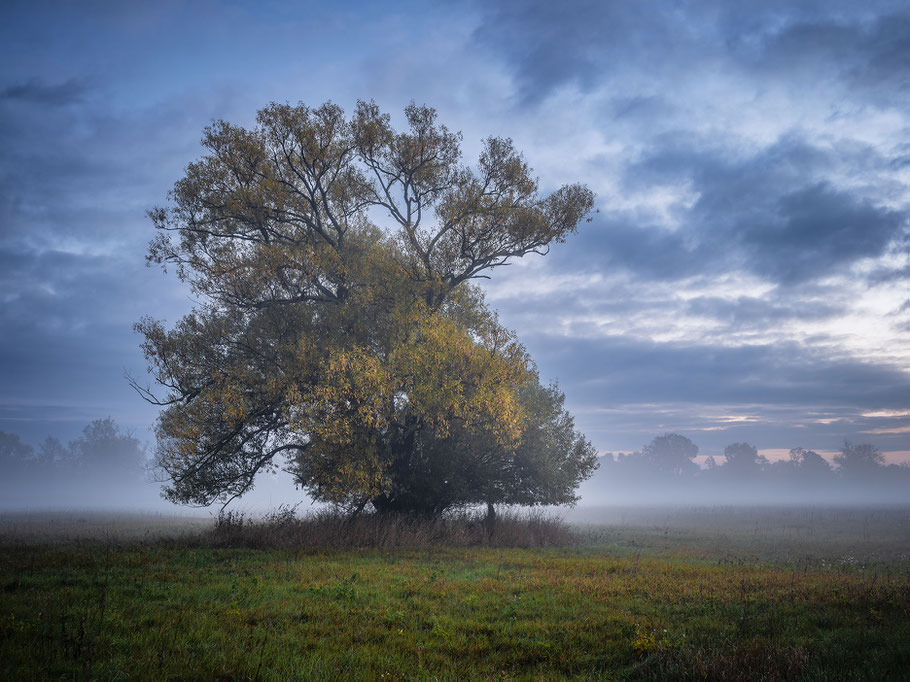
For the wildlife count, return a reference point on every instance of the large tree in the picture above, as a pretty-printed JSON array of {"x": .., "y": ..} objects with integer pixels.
[
  {"x": 671, "y": 454},
  {"x": 742, "y": 460},
  {"x": 359, "y": 356},
  {"x": 860, "y": 461}
]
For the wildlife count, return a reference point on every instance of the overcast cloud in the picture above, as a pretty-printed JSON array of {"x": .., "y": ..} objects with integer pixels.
[{"x": 747, "y": 276}]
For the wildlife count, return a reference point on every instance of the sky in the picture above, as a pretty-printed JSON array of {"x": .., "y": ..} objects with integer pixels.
[{"x": 746, "y": 276}]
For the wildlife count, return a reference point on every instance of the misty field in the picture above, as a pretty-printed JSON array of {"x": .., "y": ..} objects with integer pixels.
[{"x": 635, "y": 594}]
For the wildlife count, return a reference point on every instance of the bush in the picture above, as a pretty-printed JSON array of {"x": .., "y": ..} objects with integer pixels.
[{"x": 332, "y": 528}]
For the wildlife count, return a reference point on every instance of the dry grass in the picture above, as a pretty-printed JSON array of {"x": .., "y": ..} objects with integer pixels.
[{"x": 329, "y": 529}]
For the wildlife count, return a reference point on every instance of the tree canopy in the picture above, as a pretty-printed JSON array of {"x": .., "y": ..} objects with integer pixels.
[
  {"x": 859, "y": 460},
  {"x": 358, "y": 355},
  {"x": 671, "y": 453},
  {"x": 742, "y": 458}
]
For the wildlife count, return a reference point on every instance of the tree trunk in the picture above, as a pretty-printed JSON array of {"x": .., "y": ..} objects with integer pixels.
[
  {"x": 490, "y": 520},
  {"x": 359, "y": 508}
]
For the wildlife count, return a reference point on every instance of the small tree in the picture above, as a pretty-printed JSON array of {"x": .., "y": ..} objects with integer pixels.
[
  {"x": 15, "y": 456},
  {"x": 52, "y": 454},
  {"x": 101, "y": 450},
  {"x": 364, "y": 357}
]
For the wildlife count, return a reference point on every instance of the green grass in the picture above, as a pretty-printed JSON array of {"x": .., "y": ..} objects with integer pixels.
[{"x": 642, "y": 604}]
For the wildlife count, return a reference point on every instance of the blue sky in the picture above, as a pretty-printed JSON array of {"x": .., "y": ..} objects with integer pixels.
[{"x": 747, "y": 276}]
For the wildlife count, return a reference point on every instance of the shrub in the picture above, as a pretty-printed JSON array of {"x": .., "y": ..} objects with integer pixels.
[{"x": 331, "y": 528}]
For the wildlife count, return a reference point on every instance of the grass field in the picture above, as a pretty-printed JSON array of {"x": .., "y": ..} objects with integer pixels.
[{"x": 653, "y": 594}]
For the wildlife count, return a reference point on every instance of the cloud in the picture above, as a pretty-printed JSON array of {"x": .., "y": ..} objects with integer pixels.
[
  {"x": 778, "y": 212},
  {"x": 67, "y": 338},
  {"x": 751, "y": 312},
  {"x": 35, "y": 91},
  {"x": 623, "y": 393},
  {"x": 750, "y": 160},
  {"x": 816, "y": 229},
  {"x": 767, "y": 139},
  {"x": 894, "y": 430},
  {"x": 582, "y": 43},
  {"x": 602, "y": 368},
  {"x": 870, "y": 55},
  {"x": 552, "y": 45}
]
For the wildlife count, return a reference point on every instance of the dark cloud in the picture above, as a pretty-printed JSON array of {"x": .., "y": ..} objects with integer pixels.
[
  {"x": 67, "y": 339},
  {"x": 552, "y": 44},
  {"x": 35, "y": 91},
  {"x": 589, "y": 44},
  {"x": 871, "y": 56},
  {"x": 636, "y": 245},
  {"x": 63, "y": 293},
  {"x": 770, "y": 212},
  {"x": 788, "y": 225},
  {"x": 748, "y": 312},
  {"x": 816, "y": 229}
]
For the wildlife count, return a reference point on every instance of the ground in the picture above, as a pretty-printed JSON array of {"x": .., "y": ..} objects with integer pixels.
[{"x": 646, "y": 594}]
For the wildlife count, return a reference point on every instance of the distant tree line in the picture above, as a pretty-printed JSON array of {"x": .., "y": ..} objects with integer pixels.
[
  {"x": 666, "y": 468},
  {"x": 104, "y": 458},
  {"x": 102, "y": 452}
]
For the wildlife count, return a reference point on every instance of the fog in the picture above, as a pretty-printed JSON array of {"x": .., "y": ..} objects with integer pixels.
[
  {"x": 140, "y": 494},
  {"x": 775, "y": 485},
  {"x": 664, "y": 472},
  {"x": 106, "y": 469}
]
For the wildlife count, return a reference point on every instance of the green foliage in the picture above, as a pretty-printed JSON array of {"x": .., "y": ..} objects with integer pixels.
[{"x": 364, "y": 357}]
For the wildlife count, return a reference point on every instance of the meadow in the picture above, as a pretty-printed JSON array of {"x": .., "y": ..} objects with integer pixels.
[{"x": 715, "y": 593}]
